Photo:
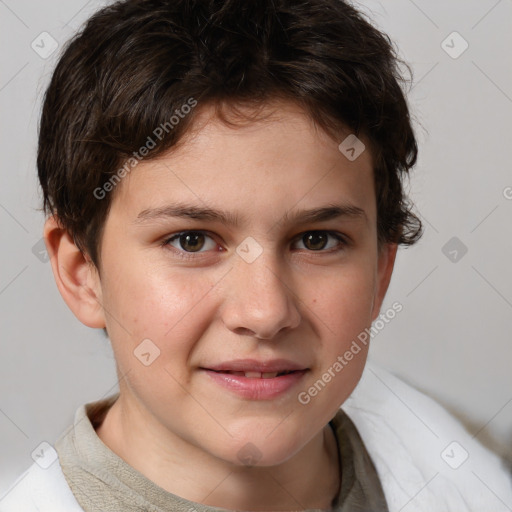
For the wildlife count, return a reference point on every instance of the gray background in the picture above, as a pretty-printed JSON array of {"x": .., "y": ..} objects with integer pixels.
[{"x": 452, "y": 338}]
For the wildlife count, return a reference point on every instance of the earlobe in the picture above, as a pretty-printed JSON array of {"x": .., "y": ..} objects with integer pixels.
[
  {"x": 75, "y": 275},
  {"x": 386, "y": 262}
]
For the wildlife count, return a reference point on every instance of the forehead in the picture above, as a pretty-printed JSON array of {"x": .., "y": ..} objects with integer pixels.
[{"x": 276, "y": 163}]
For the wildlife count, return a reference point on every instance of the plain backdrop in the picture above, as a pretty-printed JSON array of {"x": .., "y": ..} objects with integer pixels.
[{"x": 453, "y": 337}]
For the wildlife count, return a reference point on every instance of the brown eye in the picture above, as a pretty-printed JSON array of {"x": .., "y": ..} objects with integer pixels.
[
  {"x": 321, "y": 241},
  {"x": 191, "y": 241},
  {"x": 315, "y": 241}
]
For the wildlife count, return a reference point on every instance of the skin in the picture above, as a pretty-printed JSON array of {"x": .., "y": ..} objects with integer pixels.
[{"x": 171, "y": 422}]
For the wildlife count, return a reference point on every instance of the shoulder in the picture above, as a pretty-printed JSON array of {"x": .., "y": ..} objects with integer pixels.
[
  {"x": 425, "y": 458},
  {"x": 40, "y": 490}
]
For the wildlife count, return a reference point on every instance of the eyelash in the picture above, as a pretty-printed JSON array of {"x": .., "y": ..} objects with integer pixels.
[{"x": 342, "y": 243}]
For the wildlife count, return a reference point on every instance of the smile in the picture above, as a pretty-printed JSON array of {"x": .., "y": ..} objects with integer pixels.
[
  {"x": 253, "y": 385},
  {"x": 257, "y": 375}
]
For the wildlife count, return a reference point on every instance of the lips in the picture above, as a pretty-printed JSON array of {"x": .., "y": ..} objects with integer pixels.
[
  {"x": 257, "y": 375},
  {"x": 257, "y": 369},
  {"x": 257, "y": 380}
]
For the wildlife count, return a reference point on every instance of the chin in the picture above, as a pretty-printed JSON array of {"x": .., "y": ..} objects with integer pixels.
[{"x": 258, "y": 451}]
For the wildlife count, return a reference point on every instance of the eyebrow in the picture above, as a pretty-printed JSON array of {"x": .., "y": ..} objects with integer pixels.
[{"x": 189, "y": 211}]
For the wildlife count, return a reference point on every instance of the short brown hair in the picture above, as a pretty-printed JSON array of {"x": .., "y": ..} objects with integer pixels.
[{"x": 137, "y": 62}]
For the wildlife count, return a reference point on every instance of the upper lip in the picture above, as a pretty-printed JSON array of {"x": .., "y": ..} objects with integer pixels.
[{"x": 252, "y": 365}]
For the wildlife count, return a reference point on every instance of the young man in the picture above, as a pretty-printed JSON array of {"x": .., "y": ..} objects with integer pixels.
[{"x": 223, "y": 180}]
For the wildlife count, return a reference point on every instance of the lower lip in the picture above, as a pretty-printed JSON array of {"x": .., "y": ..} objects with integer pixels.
[{"x": 257, "y": 389}]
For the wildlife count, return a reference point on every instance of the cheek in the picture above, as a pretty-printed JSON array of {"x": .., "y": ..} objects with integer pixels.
[
  {"x": 342, "y": 312},
  {"x": 170, "y": 309},
  {"x": 343, "y": 302}
]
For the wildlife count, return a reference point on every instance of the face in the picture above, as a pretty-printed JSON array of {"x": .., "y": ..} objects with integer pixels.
[{"x": 246, "y": 251}]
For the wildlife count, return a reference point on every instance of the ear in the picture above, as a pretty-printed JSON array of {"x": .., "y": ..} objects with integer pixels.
[
  {"x": 386, "y": 262},
  {"x": 76, "y": 276}
]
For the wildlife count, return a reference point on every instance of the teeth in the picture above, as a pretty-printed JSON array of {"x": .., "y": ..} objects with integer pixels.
[
  {"x": 256, "y": 375},
  {"x": 253, "y": 375}
]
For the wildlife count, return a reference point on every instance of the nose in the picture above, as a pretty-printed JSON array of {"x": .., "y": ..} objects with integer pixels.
[{"x": 258, "y": 301}]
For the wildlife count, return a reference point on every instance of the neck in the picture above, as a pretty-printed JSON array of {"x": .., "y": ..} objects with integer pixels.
[{"x": 309, "y": 479}]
